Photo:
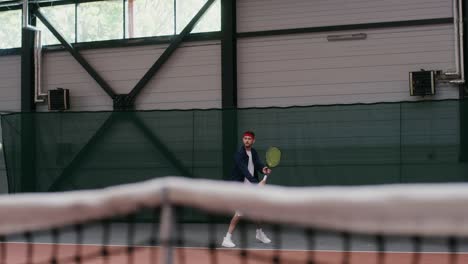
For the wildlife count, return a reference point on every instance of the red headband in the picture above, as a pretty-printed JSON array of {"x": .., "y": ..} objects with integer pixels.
[{"x": 249, "y": 134}]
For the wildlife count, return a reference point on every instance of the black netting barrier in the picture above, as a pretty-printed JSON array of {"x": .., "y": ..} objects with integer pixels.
[{"x": 321, "y": 145}]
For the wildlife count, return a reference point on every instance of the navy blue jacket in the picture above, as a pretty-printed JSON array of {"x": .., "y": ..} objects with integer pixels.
[{"x": 241, "y": 161}]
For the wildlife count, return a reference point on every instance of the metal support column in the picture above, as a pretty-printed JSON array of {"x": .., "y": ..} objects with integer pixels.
[
  {"x": 28, "y": 143},
  {"x": 464, "y": 86},
  {"x": 464, "y": 95},
  {"x": 229, "y": 83}
]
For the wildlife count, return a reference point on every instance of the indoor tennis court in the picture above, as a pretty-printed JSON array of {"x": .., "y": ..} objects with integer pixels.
[{"x": 233, "y": 131}]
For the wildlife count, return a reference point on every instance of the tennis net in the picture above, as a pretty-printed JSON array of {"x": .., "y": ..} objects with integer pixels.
[{"x": 147, "y": 223}]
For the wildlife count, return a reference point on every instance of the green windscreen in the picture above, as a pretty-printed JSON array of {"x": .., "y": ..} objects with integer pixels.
[{"x": 320, "y": 145}]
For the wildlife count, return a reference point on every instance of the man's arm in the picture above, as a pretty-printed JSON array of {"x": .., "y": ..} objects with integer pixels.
[{"x": 259, "y": 166}]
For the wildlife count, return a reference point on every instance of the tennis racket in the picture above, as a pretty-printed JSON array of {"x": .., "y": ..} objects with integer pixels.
[{"x": 273, "y": 157}]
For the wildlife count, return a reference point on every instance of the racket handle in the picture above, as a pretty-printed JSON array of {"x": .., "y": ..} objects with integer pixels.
[{"x": 265, "y": 177}]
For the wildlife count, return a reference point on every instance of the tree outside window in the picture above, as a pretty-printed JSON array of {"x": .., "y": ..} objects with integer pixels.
[
  {"x": 100, "y": 21},
  {"x": 10, "y": 29},
  {"x": 62, "y": 18}
]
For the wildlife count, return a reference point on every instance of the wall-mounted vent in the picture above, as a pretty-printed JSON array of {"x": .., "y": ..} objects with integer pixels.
[
  {"x": 59, "y": 99},
  {"x": 422, "y": 83}
]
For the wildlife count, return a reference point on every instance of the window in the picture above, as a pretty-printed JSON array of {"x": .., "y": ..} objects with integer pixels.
[
  {"x": 187, "y": 9},
  {"x": 62, "y": 18},
  {"x": 147, "y": 18},
  {"x": 100, "y": 20},
  {"x": 10, "y": 29},
  {"x": 211, "y": 20},
  {"x": 111, "y": 19}
]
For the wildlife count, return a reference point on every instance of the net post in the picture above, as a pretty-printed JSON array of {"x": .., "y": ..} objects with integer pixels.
[
  {"x": 380, "y": 241},
  {"x": 417, "y": 245},
  {"x": 131, "y": 229},
  {"x": 154, "y": 234},
  {"x": 55, "y": 246},
  {"x": 244, "y": 242},
  {"x": 311, "y": 245},
  {"x": 346, "y": 256},
  {"x": 179, "y": 236},
  {"x": 212, "y": 240},
  {"x": 166, "y": 228},
  {"x": 79, "y": 244},
  {"x": 29, "y": 247},
  {"x": 453, "y": 249},
  {"x": 277, "y": 247},
  {"x": 3, "y": 250}
]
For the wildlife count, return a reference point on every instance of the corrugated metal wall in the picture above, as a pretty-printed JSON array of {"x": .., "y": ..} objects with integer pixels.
[
  {"x": 3, "y": 173},
  {"x": 258, "y": 15},
  {"x": 190, "y": 79},
  {"x": 307, "y": 69},
  {"x": 10, "y": 83}
]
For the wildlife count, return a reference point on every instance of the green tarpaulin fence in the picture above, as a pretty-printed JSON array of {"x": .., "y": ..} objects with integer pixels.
[{"x": 321, "y": 145}]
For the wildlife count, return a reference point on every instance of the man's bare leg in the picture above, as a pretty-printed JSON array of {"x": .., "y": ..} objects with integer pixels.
[
  {"x": 235, "y": 219},
  {"x": 227, "y": 240}
]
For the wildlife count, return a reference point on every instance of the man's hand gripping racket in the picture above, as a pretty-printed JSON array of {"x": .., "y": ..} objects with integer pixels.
[{"x": 273, "y": 157}]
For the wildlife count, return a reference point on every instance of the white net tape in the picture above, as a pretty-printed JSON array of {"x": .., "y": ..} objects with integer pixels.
[{"x": 423, "y": 209}]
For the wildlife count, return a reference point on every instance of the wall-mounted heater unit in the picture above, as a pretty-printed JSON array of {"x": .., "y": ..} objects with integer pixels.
[
  {"x": 59, "y": 99},
  {"x": 422, "y": 83}
]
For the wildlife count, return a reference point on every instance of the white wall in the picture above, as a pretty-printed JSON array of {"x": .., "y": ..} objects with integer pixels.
[
  {"x": 258, "y": 15},
  {"x": 10, "y": 83},
  {"x": 3, "y": 173},
  {"x": 307, "y": 69},
  {"x": 191, "y": 78}
]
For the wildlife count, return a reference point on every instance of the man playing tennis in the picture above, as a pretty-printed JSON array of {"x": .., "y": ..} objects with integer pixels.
[{"x": 247, "y": 164}]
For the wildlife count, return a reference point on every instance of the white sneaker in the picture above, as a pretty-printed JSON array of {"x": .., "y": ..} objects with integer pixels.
[
  {"x": 227, "y": 242},
  {"x": 262, "y": 237}
]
